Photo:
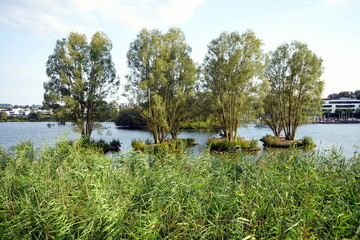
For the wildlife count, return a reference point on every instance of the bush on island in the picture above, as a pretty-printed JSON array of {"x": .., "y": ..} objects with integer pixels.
[
  {"x": 168, "y": 146},
  {"x": 223, "y": 145},
  {"x": 280, "y": 142},
  {"x": 104, "y": 146}
]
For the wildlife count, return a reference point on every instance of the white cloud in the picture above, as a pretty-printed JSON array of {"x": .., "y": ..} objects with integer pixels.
[
  {"x": 62, "y": 16},
  {"x": 178, "y": 11}
]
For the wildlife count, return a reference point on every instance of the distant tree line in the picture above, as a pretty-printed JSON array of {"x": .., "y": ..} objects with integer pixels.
[
  {"x": 33, "y": 116},
  {"x": 345, "y": 94},
  {"x": 237, "y": 83}
]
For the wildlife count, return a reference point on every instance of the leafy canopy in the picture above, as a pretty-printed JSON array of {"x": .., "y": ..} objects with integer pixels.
[
  {"x": 233, "y": 65},
  {"x": 82, "y": 75}
]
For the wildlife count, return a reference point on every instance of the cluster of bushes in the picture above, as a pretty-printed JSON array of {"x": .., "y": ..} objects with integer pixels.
[
  {"x": 168, "y": 146},
  {"x": 72, "y": 192},
  {"x": 223, "y": 145},
  {"x": 280, "y": 142},
  {"x": 112, "y": 146},
  {"x": 101, "y": 145}
]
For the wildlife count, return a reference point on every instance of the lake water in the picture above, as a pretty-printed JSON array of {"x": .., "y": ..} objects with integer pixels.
[{"x": 345, "y": 137}]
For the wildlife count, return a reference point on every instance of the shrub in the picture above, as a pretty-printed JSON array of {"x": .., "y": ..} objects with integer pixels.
[
  {"x": 268, "y": 139},
  {"x": 104, "y": 146},
  {"x": 160, "y": 150},
  {"x": 306, "y": 142},
  {"x": 222, "y": 144},
  {"x": 137, "y": 145}
]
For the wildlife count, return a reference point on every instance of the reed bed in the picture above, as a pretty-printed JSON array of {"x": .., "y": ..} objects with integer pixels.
[{"x": 72, "y": 192}]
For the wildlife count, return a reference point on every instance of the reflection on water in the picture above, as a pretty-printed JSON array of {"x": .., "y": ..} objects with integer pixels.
[{"x": 345, "y": 137}]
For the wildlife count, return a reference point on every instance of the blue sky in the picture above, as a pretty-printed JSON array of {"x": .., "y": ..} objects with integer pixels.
[{"x": 29, "y": 30}]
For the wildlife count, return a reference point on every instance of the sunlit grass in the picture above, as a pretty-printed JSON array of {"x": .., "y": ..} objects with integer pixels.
[{"x": 69, "y": 192}]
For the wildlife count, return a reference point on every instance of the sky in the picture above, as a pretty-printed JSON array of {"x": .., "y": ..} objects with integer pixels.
[{"x": 30, "y": 29}]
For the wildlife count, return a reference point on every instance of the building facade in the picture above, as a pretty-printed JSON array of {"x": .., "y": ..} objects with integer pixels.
[{"x": 342, "y": 103}]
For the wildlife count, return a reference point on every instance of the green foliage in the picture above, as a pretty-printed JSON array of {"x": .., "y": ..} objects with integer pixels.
[
  {"x": 224, "y": 145},
  {"x": 81, "y": 76},
  {"x": 4, "y": 158},
  {"x": 357, "y": 112},
  {"x": 272, "y": 115},
  {"x": 280, "y": 142},
  {"x": 164, "y": 148},
  {"x": 101, "y": 145},
  {"x": 345, "y": 94},
  {"x": 306, "y": 142},
  {"x": 161, "y": 80},
  {"x": 295, "y": 88},
  {"x": 268, "y": 139},
  {"x": 71, "y": 192},
  {"x": 138, "y": 145},
  {"x": 130, "y": 118},
  {"x": 231, "y": 66}
]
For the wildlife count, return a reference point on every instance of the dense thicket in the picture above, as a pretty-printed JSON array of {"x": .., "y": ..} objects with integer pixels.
[{"x": 71, "y": 192}]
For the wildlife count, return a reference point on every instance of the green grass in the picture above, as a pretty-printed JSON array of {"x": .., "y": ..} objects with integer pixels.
[{"x": 71, "y": 192}]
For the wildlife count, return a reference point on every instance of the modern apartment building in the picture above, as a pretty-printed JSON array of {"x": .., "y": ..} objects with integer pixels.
[{"x": 342, "y": 103}]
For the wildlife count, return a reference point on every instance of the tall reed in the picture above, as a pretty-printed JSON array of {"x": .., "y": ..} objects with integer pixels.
[{"x": 71, "y": 192}]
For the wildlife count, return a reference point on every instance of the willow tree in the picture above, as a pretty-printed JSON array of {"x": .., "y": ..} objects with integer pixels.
[
  {"x": 232, "y": 67},
  {"x": 180, "y": 77},
  {"x": 294, "y": 77},
  {"x": 161, "y": 79},
  {"x": 81, "y": 76}
]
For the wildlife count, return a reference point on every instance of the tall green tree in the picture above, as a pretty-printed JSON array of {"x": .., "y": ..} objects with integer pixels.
[
  {"x": 82, "y": 75},
  {"x": 180, "y": 77},
  {"x": 294, "y": 78},
  {"x": 231, "y": 68},
  {"x": 161, "y": 79}
]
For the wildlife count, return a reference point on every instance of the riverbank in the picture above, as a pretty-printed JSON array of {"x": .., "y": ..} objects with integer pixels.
[{"x": 74, "y": 192}]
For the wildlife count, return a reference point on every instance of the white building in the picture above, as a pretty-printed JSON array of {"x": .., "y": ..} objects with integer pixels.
[{"x": 342, "y": 103}]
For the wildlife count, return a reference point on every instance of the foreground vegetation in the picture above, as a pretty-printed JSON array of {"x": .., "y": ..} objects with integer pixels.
[{"x": 71, "y": 192}]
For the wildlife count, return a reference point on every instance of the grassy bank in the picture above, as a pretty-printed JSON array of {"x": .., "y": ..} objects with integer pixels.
[{"x": 69, "y": 192}]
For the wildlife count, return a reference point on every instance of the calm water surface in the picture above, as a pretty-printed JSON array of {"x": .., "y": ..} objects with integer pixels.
[{"x": 345, "y": 137}]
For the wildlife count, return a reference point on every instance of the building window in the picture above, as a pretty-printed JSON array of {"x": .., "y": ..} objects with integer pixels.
[{"x": 345, "y": 106}]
